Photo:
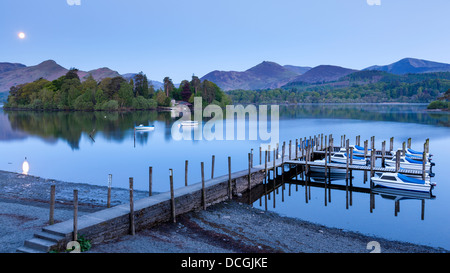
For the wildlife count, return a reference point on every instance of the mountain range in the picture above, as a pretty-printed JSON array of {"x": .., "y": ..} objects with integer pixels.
[
  {"x": 272, "y": 75},
  {"x": 265, "y": 75}
]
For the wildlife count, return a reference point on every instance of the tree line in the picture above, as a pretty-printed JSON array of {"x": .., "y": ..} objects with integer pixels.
[
  {"x": 417, "y": 92},
  {"x": 110, "y": 94}
]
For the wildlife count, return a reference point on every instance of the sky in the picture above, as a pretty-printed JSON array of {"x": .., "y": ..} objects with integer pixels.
[{"x": 179, "y": 38}]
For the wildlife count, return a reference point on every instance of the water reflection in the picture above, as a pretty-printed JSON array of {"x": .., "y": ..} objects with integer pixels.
[{"x": 115, "y": 126}]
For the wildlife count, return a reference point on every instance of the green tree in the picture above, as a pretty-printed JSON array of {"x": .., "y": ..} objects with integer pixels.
[{"x": 168, "y": 86}]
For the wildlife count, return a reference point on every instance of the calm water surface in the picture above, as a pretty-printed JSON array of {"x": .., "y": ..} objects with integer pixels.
[{"x": 86, "y": 147}]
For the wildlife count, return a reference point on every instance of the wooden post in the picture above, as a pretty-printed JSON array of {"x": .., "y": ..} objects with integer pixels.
[
  {"x": 290, "y": 149},
  {"x": 132, "y": 228},
  {"x": 230, "y": 193},
  {"x": 75, "y": 215},
  {"x": 397, "y": 161},
  {"x": 212, "y": 167},
  {"x": 372, "y": 163},
  {"x": 403, "y": 148},
  {"x": 274, "y": 165},
  {"x": 269, "y": 153},
  {"x": 52, "y": 204},
  {"x": 260, "y": 153},
  {"x": 383, "y": 152},
  {"x": 296, "y": 149},
  {"x": 326, "y": 163},
  {"x": 150, "y": 181},
  {"x": 321, "y": 142},
  {"x": 428, "y": 145},
  {"x": 249, "y": 186},
  {"x": 186, "y": 164},
  {"x": 391, "y": 144},
  {"x": 365, "y": 148},
  {"x": 108, "y": 200},
  {"x": 265, "y": 179},
  {"x": 203, "y": 186},
  {"x": 409, "y": 143},
  {"x": 172, "y": 197},
  {"x": 348, "y": 157},
  {"x": 424, "y": 160}
]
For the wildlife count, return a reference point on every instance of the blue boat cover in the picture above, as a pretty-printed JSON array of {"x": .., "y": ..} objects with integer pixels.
[
  {"x": 415, "y": 157},
  {"x": 356, "y": 157},
  {"x": 306, "y": 144},
  {"x": 413, "y": 161},
  {"x": 408, "y": 179},
  {"x": 414, "y": 152},
  {"x": 361, "y": 148}
]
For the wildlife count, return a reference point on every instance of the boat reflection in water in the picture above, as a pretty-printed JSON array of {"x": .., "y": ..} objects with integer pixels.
[{"x": 266, "y": 193}]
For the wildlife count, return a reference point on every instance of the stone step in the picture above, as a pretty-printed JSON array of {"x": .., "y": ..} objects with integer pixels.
[
  {"x": 49, "y": 236},
  {"x": 25, "y": 249},
  {"x": 39, "y": 244}
]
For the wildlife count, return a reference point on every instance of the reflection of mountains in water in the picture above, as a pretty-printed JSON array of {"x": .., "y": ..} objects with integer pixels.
[{"x": 114, "y": 125}]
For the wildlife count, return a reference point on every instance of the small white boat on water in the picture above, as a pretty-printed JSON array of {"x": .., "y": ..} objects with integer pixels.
[
  {"x": 189, "y": 123},
  {"x": 144, "y": 128},
  {"x": 400, "y": 181},
  {"x": 341, "y": 157},
  {"x": 413, "y": 154},
  {"x": 408, "y": 163}
]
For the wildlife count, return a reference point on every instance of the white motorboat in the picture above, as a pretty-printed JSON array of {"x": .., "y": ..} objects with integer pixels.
[
  {"x": 189, "y": 123},
  {"x": 408, "y": 163},
  {"x": 400, "y": 181},
  {"x": 341, "y": 157},
  {"x": 413, "y": 154},
  {"x": 144, "y": 128}
]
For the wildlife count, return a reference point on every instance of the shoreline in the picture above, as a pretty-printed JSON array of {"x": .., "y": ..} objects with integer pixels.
[{"x": 228, "y": 227}]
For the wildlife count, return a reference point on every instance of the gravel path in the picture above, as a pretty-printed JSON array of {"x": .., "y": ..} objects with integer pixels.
[{"x": 229, "y": 227}]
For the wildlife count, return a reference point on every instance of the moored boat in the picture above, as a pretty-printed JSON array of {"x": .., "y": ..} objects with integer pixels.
[
  {"x": 341, "y": 157},
  {"x": 400, "y": 181},
  {"x": 189, "y": 123},
  {"x": 408, "y": 163},
  {"x": 141, "y": 127}
]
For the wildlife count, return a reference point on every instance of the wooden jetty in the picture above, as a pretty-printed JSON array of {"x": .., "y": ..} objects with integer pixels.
[{"x": 120, "y": 220}]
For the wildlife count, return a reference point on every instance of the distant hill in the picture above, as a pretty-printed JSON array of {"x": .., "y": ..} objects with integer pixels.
[
  {"x": 49, "y": 70},
  {"x": 262, "y": 76},
  {"x": 5, "y": 67},
  {"x": 156, "y": 84},
  {"x": 323, "y": 73},
  {"x": 298, "y": 69},
  {"x": 14, "y": 74},
  {"x": 411, "y": 65}
]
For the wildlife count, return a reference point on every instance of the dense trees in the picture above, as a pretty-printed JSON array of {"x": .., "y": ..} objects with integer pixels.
[
  {"x": 443, "y": 102},
  {"x": 70, "y": 93},
  {"x": 424, "y": 91}
]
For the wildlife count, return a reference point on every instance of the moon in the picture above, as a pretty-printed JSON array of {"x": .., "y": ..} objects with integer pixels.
[{"x": 21, "y": 35}]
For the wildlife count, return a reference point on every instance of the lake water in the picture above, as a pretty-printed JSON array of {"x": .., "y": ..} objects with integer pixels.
[{"x": 86, "y": 147}]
